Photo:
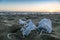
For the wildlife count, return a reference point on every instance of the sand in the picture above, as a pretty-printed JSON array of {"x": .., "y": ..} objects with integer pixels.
[{"x": 9, "y": 24}]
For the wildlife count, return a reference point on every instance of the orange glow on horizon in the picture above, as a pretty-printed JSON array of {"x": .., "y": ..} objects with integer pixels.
[{"x": 44, "y": 7}]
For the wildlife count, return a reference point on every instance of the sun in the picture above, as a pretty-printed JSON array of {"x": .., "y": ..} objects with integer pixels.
[{"x": 51, "y": 11}]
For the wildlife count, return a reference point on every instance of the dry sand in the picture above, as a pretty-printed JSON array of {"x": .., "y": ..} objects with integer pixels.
[{"x": 9, "y": 24}]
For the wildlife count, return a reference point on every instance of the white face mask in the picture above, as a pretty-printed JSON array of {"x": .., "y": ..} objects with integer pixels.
[
  {"x": 28, "y": 28},
  {"x": 46, "y": 24}
]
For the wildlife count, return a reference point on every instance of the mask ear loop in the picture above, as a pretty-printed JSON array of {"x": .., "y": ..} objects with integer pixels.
[
  {"x": 8, "y": 35},
  {"x": 40, "y": 32}
]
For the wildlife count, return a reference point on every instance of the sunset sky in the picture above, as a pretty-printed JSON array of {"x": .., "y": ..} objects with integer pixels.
[{"x": 30, "y": 5}]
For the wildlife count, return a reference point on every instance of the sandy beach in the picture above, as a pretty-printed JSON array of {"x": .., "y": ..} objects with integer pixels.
[{"x": 9, "y": 24}]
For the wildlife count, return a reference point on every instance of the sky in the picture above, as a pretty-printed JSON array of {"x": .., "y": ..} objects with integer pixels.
[{"x": 30, "y": 5}]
